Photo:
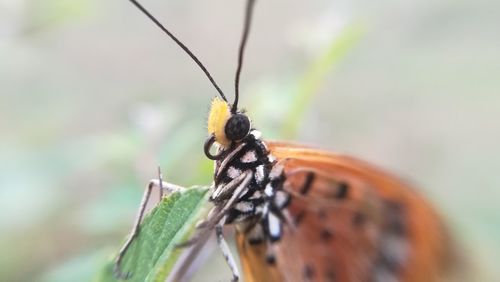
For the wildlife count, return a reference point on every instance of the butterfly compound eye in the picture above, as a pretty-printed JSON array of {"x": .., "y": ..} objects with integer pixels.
[{"x": 237, "y": 127}]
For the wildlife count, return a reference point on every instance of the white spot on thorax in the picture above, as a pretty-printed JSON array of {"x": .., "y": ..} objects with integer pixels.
[
  {"x": 276, "y": 171},
  {"x": 249, "y": 157},
  {"x": 244, "y": 207},
  {"x": 233, "y": 172},
  {"x": 257, "y": 134},
  {"x": 259, "y": 174},
  {"x": 274, "y": 225},
  {"x": 269, "y": 190},
  {"x": 280, "y": 198},
  {"x": 256, "y": 195},
  {"x": 271, "y": 158}
]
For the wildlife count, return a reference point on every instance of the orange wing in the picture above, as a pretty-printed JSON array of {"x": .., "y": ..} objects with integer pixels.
[{"x": 353, "y": 222}]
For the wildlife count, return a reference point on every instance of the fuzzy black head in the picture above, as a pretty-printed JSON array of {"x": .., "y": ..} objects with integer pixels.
[{"x": 237, "y": 127}]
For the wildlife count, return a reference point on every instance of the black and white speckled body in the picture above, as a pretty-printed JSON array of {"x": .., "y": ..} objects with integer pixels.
[{"x": 258, "y": 210}]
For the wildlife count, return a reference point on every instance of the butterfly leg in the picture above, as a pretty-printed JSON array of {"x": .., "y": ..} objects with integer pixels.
[
  {"x": 226, "y": 252},
  {"x": 234, "y": 189},
  {"x": 216, "y": 216},
  {"x": 155, "y": 183}
]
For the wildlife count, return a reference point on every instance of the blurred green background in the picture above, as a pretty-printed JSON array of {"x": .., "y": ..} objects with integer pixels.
[{"x": 93, "y": 97}]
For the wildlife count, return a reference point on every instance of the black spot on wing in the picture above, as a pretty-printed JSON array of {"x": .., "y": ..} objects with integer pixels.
[
  {"x": 308, "y": 272},
  {"x": 300, "y": 217},
  {"x": 396, "y": 218},
  {"x": 307, "y": 183},
  {"x": 342, "y": 190},
  {"x": 271, "y": 259},
  {"x": 358, "y": 219},
  {"x": 330, "y": 275},
  {"x": 255, "y": 241},
  {"x": 326, "y": 235}
]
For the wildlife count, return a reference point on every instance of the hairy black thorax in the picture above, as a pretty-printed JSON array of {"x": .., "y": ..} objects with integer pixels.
[{"x": 259, "y": 209}]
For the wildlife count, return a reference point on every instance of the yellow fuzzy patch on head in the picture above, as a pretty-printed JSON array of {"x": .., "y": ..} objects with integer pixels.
[{"x": 217, "y": 118}]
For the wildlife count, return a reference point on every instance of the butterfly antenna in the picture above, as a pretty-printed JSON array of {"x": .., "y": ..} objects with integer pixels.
[
  {"x": 183, "y": 47},
  {"x": 243, "y": 43}
]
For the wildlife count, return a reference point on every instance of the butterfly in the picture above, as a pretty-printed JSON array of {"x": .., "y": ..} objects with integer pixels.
[{"x": 303, "y": 214}]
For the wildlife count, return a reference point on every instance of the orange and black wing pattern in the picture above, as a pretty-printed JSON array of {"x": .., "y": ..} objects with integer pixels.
[{"x": 349, "y": 221}]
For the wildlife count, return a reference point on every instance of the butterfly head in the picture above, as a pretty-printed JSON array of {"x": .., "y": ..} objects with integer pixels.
[{"x": 225, "y": 125}]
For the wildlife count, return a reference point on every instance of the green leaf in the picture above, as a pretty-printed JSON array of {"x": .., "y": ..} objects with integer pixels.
[{"x": 153, "y": 253}]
